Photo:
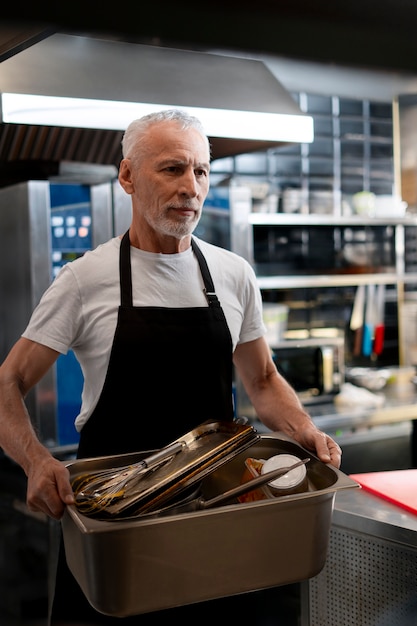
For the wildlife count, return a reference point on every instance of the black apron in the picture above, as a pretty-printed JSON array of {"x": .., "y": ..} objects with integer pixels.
[{"x": 170, "y": 369}]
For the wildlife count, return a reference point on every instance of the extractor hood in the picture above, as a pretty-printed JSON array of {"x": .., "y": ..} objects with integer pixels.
[{"x": 67, "y": 66}]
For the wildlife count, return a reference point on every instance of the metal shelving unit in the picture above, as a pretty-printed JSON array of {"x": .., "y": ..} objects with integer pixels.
[
  {"x": 298, "y": 247},
  {"x": 352, "y": 151},
  {"x": 286, "y": 239},
  {"x": 400, "y": 275}
]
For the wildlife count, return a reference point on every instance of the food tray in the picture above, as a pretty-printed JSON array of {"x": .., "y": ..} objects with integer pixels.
[{"x": 135, "y": 566}]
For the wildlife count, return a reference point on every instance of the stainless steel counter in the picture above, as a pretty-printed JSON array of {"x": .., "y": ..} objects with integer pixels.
[
  {"x": 365, "y": 513},
  {"x": 372, "y": 439},
  {"x": 371, "y": 569},
  {"x": 400, "y": 404}
]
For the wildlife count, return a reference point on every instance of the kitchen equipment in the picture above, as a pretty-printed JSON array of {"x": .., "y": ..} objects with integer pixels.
[
  {"x": 357, "y": 318},
  {"x": 408, "y": 330},
  {"x": 200, "y": 503},
  {"x": 294, "y": 481},
  {"x": 373, "y": 379},
  {"x": 134, "y": 566},
  {"x": 290, "y": 482},
  {"x": 379, "y": 331},
  {"x": 369, "y": 325},
  {"x": 202, "y": 449},
  {"x": 314, "y": 366},
  {"x": 397, "y": 486},
  {"x": 389, "y": 206},
  {"x": 97, "y": 490}
]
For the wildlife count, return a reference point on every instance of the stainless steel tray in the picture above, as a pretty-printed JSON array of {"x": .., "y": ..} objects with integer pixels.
[{"x": 140, "y": 565}]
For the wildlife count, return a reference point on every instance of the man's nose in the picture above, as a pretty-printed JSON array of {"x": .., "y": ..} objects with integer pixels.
[{"x": 189, "y": 185}]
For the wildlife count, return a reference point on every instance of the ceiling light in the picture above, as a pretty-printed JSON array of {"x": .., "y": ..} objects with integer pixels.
[{"x": 19, "y": 108}]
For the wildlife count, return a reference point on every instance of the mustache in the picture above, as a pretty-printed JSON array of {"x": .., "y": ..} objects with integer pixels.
[{"x": 187, "y": 205}]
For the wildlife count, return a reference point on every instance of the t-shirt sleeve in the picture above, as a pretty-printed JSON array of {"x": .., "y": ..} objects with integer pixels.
[
  {"x": 252, "y": 324},
  {"x": 56, "y": 320}
]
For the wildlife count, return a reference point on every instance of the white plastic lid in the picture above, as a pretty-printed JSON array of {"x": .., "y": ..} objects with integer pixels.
[{"x": 291, "y": 479}]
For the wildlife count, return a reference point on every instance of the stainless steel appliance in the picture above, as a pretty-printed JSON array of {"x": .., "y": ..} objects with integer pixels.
[
  {"x": 314, "y": 366},
  {"x": 43, "y": 226}
]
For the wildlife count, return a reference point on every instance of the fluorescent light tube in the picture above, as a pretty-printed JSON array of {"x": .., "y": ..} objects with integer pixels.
[{"x": 114, "y": 115}]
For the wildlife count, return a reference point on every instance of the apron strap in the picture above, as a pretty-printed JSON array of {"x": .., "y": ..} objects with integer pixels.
[
  {"x": 125, "y": 272},
  {"x": 126, "y": 296},
  {"x": 208, "y": 282}
]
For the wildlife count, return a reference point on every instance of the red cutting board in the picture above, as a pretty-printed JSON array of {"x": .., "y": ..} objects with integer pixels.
[{"x": 397, "y": 486}]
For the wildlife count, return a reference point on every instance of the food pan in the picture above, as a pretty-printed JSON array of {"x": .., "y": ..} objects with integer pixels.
[{"x": 147, "y": 563}]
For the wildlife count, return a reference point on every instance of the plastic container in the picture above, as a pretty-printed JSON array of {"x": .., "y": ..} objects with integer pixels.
[{"x": 294, "y": 481}]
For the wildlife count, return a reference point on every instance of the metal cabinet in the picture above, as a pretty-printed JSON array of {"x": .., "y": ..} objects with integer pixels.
[
  {"x": 369, "y": 576},
  {"x": 43, "y": 226}
]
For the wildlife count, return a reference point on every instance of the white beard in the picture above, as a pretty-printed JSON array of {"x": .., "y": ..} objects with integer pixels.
[{"x": 174, "y": 228}]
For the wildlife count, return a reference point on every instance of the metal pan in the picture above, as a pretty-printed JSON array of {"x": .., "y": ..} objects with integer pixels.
[{"x": 144, "y": 564}]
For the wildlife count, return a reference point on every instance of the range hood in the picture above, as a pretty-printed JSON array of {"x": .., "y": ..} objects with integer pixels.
[{"x": 66, "y": 66}]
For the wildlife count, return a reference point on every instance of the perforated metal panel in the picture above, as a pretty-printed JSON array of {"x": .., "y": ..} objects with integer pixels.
[{"x": 366, "y": 582}]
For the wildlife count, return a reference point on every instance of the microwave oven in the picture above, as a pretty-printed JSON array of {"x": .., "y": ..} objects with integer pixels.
[{"x": 314, "y": 366}]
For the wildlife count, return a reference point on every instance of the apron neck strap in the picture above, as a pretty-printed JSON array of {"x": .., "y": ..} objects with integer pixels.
[
  {"x": 205, "y": 272},
  {"x": 125, "y": 269},
  {"x": 125, "y": 272}
]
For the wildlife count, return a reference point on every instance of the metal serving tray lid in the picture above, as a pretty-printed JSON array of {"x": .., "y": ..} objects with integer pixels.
[{"x": 206, "y": 447}]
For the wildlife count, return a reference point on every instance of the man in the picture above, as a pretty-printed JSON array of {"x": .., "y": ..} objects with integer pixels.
[{"x": 156, "y": 319}]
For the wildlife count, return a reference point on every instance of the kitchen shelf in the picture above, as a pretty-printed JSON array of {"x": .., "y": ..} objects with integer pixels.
[
  {"x": 394, "y": 267},
  {"x": 291, "y": 219},
  {"x": 339, "y": 280},
  {"x": 308, "y": 250},
  {"x": 352, "y": 151},
  {"x": 301, "y": 260}
]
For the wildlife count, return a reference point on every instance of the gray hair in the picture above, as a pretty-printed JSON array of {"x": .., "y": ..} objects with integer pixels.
[{"x": 136, "y": 130}]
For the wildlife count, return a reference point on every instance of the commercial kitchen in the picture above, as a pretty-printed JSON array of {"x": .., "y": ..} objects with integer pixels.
[{"x": 329, "y": 224}]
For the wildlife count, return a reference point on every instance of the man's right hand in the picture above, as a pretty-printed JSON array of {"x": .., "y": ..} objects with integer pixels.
[{"x": 49, "y": 489}]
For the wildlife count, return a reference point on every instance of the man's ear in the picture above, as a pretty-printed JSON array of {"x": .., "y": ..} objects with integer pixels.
[{"x": 125, "y": 176}]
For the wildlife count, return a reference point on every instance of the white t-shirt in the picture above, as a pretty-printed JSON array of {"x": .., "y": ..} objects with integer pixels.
[{"x": 79, "y": 310}]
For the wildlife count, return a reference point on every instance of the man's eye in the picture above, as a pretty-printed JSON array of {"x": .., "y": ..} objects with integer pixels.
[{"x": 201, "y": 172}]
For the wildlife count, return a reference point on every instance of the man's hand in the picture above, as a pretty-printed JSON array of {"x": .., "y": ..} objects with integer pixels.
[
  {"x": 323, "y": 445},
  {"x": 49, "y": 489}
]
